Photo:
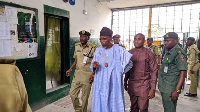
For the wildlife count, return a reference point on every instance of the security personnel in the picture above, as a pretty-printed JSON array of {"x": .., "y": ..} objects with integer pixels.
[
  {"x": 13, "y": 95},
  {"x": 154, "y": 48},
  {"x": 83, "y": 55},
  {"x": 193, "y": 63},
  {"x": 116, "y": 39},
  {"x": 172, "y": 72}
]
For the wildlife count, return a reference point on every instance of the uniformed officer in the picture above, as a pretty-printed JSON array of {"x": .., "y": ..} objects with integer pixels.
[
  {"x": 193, "y": 63},
  {"x": 154, "y": 48},
  {"x": 116, "y": 39},
  {"x": 172, "y": 72},
  {"x": 13, "y": 95},
  {"x": 83, "y": 55}
]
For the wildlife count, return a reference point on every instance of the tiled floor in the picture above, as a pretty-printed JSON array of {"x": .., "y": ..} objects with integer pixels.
[{"x": 185, "y": 104}]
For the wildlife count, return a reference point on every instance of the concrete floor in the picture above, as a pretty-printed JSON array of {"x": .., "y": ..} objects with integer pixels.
[{"x": 185, "y": 104}]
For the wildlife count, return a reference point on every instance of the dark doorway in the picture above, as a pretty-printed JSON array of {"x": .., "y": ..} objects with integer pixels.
[{"x": 56, "y": 50}]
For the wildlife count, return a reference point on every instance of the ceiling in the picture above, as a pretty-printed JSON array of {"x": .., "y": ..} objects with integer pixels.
[{"x": 133, "y": 3}]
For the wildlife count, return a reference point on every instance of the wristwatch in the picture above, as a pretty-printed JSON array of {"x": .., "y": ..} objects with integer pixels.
[{"x": 178, "y": 91}]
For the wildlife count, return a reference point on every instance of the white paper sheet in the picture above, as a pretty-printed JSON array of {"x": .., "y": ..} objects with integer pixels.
[
  {"x": 13, "y": 26},
  {"x": 3, "y": 18},
  {"x": 18, "y": 47},
  {"x": 32, "y": 50},
  {"x": 11, "y": 14},
  {"x": 5, "y": 48},
  {"x": 3, "y": 15},
  {"x": 4, "y": 30},
  {"x": 1, "y": 47}
]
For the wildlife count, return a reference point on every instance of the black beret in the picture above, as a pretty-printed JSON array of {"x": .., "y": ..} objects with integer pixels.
[
  {"x": 150, "y": 39},
  {"x": 171, "y": 35},
  {"x": 116, "y": 36},
  {"x": 191, "y": 38},
  {"x": 83, "y": 32},
  {"x": 106, "y": 32}
]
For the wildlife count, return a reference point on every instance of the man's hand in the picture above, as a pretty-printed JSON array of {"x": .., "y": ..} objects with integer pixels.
[
  {"x": 95, "y": 64},
  {"x": 159, "y": 65},
  {"x": 192, "y": 71},
  {"x": 174, "y": 95},
  {"x": 151, "y": 94},
  {"x": 68, "y": 72},
  {"x": 91, "y": 78}
]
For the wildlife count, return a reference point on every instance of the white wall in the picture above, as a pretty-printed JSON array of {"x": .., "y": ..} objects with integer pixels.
[
  {"x": 99, "y": 14},
  {"x": 133, "y": 3},
  {"x": 97, "y": 17}
]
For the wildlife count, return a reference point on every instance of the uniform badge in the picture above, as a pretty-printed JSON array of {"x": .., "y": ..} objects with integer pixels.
[
  {"x": 83, "y": 32},
  {"x": 85, "y": 54},
  {"x": 165, "y": 68},
  {"x": 182, "y": 58},
  {"x": 86, "y": 50},
  {"x": 167, "y": 60},
  {"x": 85, "y": 59},
  {"x": 106, "y": 64}
]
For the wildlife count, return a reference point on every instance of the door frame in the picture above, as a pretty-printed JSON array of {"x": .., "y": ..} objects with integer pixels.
[{"x": 64, "y": 38}]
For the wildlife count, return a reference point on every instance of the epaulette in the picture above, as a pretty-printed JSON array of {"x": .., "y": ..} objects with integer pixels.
[
  {"x": 153, "y": 46},
  {"x": 194, "y": 47},
  {"x": 179, "y": 50},
  {"x": 92, "y": 44},
  {"x": 122, "y": 45},
  {"x": 156, "y": 46},
  {"x": 78, "y": 43}
]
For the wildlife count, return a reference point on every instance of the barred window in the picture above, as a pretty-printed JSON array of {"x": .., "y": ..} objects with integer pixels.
[{"x": 172, "y": 18}]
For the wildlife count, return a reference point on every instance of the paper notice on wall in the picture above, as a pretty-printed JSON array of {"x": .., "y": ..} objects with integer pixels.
[
  {"x": 4, "y": 30},
  {"x": 2, "y": 14},
  {"x": 3, "y": 18},
  {"x": 11, "y": 14},
  {"x": 1, "y": 47},
  {"x": 5, "y": 48},
  {"x": 32, "y": 50},
  {"x": 18, "y": 47},
  {"x": 13, "y": 26}
]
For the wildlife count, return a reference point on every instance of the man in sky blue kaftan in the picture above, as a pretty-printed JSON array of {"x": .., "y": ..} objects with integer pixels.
[{"x": 113, "y": 62}]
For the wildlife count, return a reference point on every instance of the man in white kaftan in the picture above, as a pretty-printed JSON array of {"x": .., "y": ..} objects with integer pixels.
[{"x": 112, "y": 61}]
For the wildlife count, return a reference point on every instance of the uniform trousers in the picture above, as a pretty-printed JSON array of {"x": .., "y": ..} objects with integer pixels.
[
  {"x": 168, "y": 104},
  {"x": 74, "y": 92},
  {"x": 193, "y": 84}
]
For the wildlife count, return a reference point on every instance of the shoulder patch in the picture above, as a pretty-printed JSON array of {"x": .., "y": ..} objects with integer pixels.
[
  {"x": 179, "y": 50},
  {"x": 92, "y": 44},
  {"x": 182, "y": 58},
  {"x": 154, "y": 46},
  {"x": 78, "y": 43}
]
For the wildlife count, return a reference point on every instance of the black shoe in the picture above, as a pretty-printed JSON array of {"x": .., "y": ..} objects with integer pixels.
[
  {"x": 186, "y": 94},
  {"x": 190, "y": 95}
]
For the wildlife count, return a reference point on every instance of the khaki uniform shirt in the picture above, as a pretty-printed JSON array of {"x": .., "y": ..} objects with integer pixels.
[
  {"x": 83, "y": 71},
  {"x": 192, "y": 55},
  {"x": 13, "y": 95},
  {"x": 173, "y": 62},
  {"x": 122, "y": 46},
  {"x": 155, "y": 49}
]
